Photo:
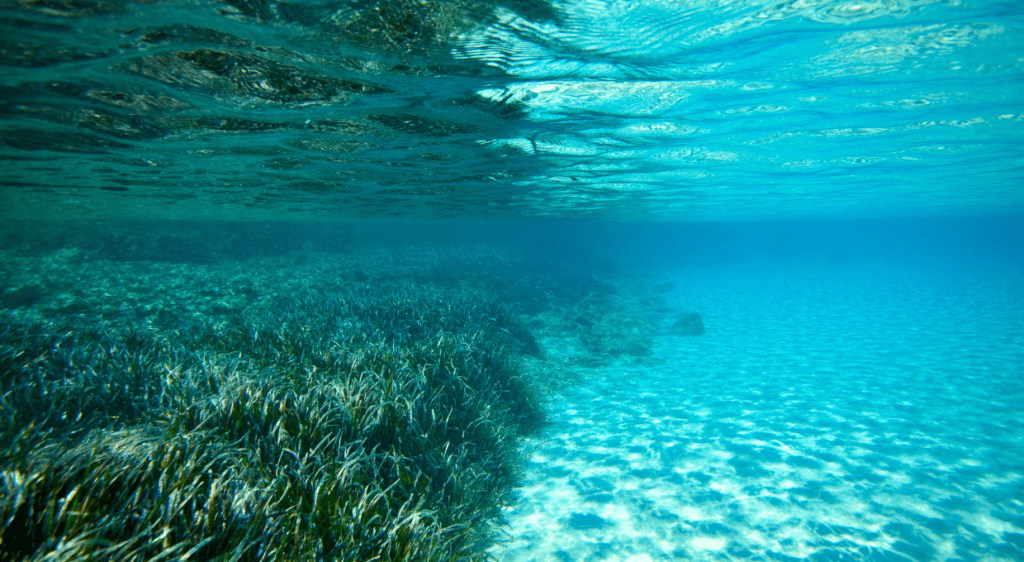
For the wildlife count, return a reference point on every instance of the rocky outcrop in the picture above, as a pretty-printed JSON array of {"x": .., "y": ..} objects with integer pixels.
[{"x": 690, "y": 324}]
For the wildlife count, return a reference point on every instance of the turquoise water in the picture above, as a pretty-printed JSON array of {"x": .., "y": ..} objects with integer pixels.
[
  {"x": 707, "y": 110},
  {"x": 836, "y": 187},
  {"x": 863, "y": 411}
]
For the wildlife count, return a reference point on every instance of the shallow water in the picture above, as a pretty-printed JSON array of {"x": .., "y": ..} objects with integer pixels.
[
  {"x": 706, "y": 110},
  {"x": 835, "y": 186},
  {"x": 865, "y": 411}
]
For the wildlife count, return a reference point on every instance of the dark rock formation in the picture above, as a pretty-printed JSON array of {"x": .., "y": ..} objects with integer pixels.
[{"x": 689, "y": 325}]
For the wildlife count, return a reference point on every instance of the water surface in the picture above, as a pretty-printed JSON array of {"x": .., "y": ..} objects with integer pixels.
[{"x": 672, "y": 110}]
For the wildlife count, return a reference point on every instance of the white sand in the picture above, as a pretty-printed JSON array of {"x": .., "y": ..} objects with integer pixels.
[{"x": 858, "y": 411}]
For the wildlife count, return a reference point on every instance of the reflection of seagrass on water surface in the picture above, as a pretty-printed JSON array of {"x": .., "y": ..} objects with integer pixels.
[{"x": 692, "y": 110}]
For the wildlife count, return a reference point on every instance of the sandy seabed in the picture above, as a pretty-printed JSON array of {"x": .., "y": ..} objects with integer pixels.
[{"x": 858, "y": 411}]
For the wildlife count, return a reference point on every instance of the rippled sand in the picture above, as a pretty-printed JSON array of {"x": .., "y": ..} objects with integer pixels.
[{"x": 848, "y": 412}]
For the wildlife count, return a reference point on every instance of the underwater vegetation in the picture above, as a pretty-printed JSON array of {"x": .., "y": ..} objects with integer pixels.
[
  {"x": 191, "y": 399},
  {"x": 321, "y": 429}
]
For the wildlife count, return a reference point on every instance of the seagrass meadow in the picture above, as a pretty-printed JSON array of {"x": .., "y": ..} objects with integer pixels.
[{"x": 193, "y": 395}]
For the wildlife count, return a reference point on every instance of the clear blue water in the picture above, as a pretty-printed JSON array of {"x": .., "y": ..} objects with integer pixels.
[
  {"x": 836, "y": 186},
  {"x": 694, "y": 110},
  {"x": 868, "y": 410}
]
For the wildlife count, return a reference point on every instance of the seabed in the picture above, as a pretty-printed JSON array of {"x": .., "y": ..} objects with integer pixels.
[
  {"x": 166, "y": 397},
  {"x": 471, "y": 402}
]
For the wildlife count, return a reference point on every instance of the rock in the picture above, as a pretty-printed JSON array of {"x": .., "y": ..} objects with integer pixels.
[{"x": 689, "y": 325}]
